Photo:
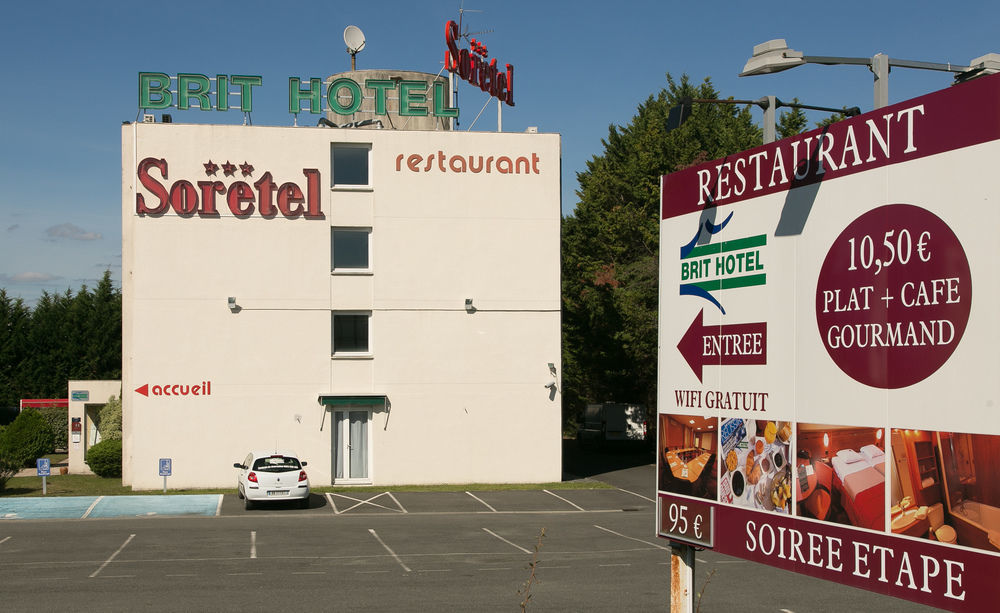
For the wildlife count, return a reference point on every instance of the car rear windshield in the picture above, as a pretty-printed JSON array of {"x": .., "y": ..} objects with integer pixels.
[{"x": 276, "y": 464}]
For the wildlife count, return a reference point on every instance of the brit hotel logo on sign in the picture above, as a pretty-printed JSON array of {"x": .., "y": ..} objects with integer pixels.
[{"x": 723, "y": 265}]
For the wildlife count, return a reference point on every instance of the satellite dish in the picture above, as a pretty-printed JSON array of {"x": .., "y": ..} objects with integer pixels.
[{"x": 354, "y": 38}]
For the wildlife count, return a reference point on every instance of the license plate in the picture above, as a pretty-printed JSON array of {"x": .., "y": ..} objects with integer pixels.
[{"x": 277, "y": 492}]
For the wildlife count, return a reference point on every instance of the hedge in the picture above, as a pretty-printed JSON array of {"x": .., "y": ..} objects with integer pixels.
[
  {"x": 105, "y": 458},
  {"x": 27, "y": 439}
]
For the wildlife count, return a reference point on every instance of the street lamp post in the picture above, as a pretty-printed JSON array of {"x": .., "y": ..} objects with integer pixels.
[
  {"x": 769, "y": 104},
  {"x": 775, "y": 56}
]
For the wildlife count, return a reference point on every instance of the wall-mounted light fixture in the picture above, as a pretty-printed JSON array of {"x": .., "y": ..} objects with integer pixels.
[
  {"x": 550, "y": 385},
  {"x": 468, "y": 306},
  {"x": 232, "y": 304}
]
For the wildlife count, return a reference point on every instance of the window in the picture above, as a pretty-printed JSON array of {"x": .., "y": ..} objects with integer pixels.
[
  {"x": 349, "y": 249},
  {"x": 350, "y": 163},
  {"x": 276, "y": 464},
  {"x": 350, "y": 333}
]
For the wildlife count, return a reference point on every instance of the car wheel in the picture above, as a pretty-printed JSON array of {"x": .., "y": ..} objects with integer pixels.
[{"x": 247, "y": 504}]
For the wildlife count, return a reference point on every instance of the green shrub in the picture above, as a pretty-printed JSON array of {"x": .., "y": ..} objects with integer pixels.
[
  {"x": 58, "y": 420},
  {"x": 7, "y": 470},
  {"x": 105, "y": 458},
  {"x": 28, "y": 438},
  {"x": 109, "y": 420}
]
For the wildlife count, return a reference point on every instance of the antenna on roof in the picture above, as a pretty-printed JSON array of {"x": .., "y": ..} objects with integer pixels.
[
  {"x": 354, "y": 38},
  {"x": 466, "y": 35}
]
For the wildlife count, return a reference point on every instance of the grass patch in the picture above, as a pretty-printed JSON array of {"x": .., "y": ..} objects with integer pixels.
[
  {"x": 92, "y": 485},
  {"x": 66, "y": 485}
]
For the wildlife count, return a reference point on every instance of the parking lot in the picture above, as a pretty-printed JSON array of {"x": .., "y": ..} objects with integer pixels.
[
  {"x": 382, "y": 551},
  {"x": 526, "y": 501}
]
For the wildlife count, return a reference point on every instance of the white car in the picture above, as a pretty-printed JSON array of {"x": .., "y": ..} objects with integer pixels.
[{"x": 272, "y": 476}]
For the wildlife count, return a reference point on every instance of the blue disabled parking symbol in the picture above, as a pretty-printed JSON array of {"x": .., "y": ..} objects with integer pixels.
[
  {"x": 165, "y": 467},
  {"x": 44, "y": 466}
]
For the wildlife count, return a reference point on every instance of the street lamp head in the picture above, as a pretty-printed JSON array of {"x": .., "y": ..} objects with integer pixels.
[{"x": 772, "y": 56}]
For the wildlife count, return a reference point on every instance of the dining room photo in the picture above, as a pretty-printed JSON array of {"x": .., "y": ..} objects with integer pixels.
[{"x": 687, "y": 455}]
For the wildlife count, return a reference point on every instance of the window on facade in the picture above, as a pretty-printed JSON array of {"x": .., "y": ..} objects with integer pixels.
[
  {"x": 349, "y": 249},
  {"x": 350, "y": 333},
  {"x": 350, "y": 163}
]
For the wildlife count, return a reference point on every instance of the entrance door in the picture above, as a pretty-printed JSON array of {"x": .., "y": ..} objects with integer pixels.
[{"x": 350, "y": 446}]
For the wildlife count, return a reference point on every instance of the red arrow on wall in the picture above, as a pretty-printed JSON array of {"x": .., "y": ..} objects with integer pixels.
[
  {"x": 724, "y": 345},
  {"x": 143, "y": 389}
]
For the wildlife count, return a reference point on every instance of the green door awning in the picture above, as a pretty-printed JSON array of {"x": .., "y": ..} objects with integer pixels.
[{"x": 366, "y": 400}]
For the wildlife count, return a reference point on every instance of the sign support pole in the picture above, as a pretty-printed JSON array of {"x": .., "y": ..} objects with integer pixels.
[
  {"x": 45, "y": 489},
  {"x": 681, "y": 578},
  {"x": 164, "y": 484}
]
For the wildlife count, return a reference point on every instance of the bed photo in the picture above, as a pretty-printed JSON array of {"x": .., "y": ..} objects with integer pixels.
[{"x": 859, "y": 478}]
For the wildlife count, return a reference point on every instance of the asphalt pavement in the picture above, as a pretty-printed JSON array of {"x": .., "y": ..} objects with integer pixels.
[{"x": 391, "y": 551}]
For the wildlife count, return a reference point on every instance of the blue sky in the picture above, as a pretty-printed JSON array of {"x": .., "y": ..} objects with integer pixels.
[{"x": 69, "y": 74}]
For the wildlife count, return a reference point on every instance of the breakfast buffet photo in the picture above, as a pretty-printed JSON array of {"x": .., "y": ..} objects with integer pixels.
[{"x": 754, "y": 463}]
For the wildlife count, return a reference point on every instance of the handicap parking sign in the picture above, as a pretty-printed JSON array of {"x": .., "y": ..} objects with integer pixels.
[
  {"x": 44, "y": 466},
  {"x": 165, "y": 467}
]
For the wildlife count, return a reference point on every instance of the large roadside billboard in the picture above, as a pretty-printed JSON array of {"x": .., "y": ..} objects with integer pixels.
[{"x": 829, "y": 377}]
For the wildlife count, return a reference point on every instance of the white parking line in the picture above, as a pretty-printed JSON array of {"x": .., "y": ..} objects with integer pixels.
[
  {"x": 91, "y": 507},
  {"x": 333, "y": 505},
  {"x": 218, "y": 507},
  {"x": 391, "y": 552},
  {"x": 575, "y": 506},
  {"x": 310, "y": 572},
  {"x": 369, "y": 502},
  {"x": 113, "y": 556},
  {"x": 4, "y": 540},
  {"x": 253, "y": 544},
  {"x": 481, "y": 501},
  {"x": 397, "y": 502},
  {"x": 632, "y": 538},
  {"x": 488, "y": 531},
  {"x": 639, "y": 495}
]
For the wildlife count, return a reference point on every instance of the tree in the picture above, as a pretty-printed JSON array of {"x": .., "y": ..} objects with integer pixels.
[
  {"x": 65, "y": 336},
  {"x": 791, "y": 122},
  {"x": 610, "y": 244},
  {"x": 28, "y": 438},
  {"x": 109, "y": 420},
  {"x": 838, "y": 116},
  {"x": 14, "y": 320}
]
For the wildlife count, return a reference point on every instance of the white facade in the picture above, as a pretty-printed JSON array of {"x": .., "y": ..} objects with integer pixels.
[{"x": 440, "y": 393}]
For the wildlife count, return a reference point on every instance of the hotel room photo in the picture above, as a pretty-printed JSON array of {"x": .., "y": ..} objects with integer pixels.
[
  {"x": 944, "y": 489},
  {"x": 840, "y": 474},
  {"x": 687, "y": 455}
]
